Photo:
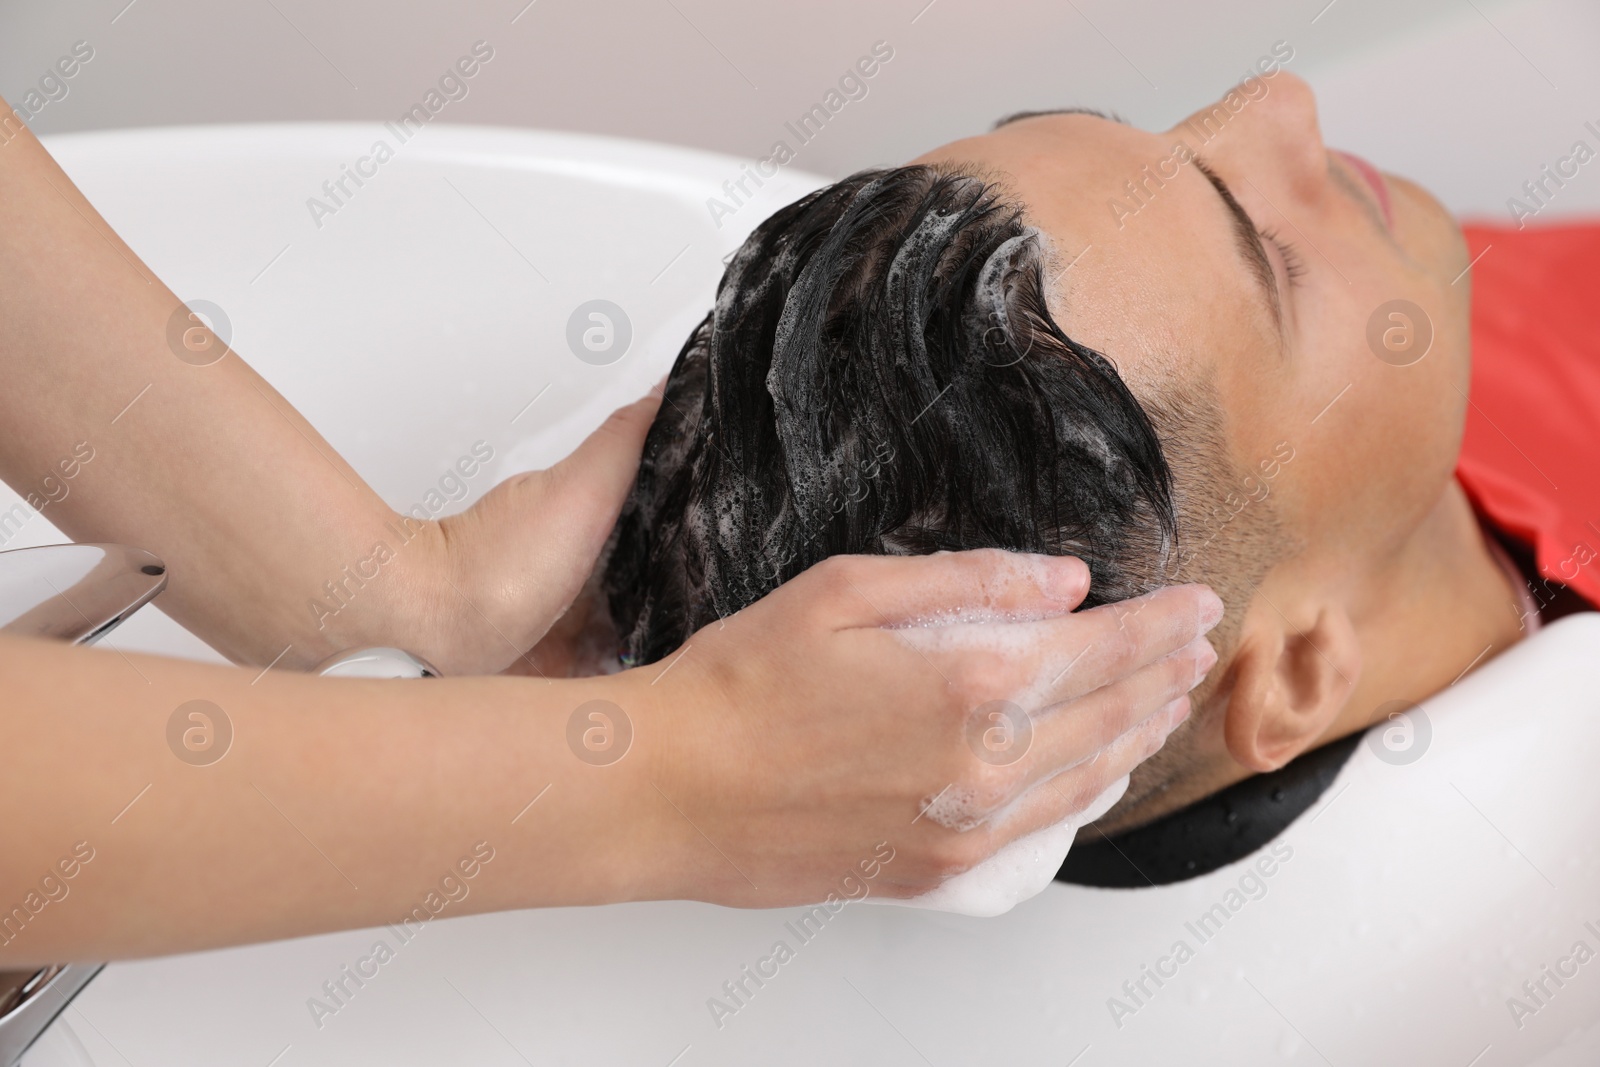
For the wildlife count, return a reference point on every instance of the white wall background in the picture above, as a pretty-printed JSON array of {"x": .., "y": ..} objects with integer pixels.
[{"x": 1468, "y": 96}]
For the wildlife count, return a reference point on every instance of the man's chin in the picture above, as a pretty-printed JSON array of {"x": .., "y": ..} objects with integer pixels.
[{"x": 1427, "y": 230}]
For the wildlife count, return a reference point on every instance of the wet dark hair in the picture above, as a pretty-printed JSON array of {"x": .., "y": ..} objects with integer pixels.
[{"x": 882, "y": 374}]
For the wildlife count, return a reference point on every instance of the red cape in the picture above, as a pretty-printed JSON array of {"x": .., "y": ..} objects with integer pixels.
[{"x": 1530, "y": 460}]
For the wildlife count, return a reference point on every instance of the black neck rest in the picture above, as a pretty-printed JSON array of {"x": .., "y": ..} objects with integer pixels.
[{"x": 1210, "y": 833}]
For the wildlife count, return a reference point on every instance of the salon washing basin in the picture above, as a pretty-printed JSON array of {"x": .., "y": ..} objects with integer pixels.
[{"x": 1390, "y": 923}]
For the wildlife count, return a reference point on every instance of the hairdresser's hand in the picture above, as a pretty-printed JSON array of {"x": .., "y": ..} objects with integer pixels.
[
  {"x": 509, "y": 566},
  {"x": 787, "y": 742},
  {"x": 281, "y": 563}
]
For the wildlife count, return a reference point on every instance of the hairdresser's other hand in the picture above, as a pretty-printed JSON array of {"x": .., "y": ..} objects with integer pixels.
[
  {"x": 508, "y": 567},
  {"x": 831, "y": 724}
]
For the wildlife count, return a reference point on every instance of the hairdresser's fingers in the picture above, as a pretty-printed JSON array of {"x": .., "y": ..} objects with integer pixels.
[
  {"x": 894, "y": 590},
  {"x": 1013, "y": 751},
  {"x": 1065, "y": 734},
  {"x": 1074, "y": 790},
  {"x": 1054, "y": 662},
  {"x": 593, "y": 481},
  {"x": 1047, "y": 803},
  {"x": 1082, "y": 652},
  {"x": 517, "y": 558}
]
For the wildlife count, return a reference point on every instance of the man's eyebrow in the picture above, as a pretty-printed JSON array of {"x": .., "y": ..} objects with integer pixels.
[
  {"x": 1018, "y": 116},
  {"x": 1249, "y": 239}
]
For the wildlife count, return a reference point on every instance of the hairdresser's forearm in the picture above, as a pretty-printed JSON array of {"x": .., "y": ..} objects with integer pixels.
[
  {"x": 339, "y": 804},
  {"x": 206, "y": 466}
]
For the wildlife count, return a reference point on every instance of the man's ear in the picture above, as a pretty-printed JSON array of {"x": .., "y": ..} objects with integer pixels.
[{"x": 1288, "y": 684}]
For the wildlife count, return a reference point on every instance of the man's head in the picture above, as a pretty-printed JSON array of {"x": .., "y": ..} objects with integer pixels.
[{"x": 1067, "y": 335}]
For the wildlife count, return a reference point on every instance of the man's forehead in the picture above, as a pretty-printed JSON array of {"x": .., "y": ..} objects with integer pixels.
[
  {"x": 1151, "y": 280},
  {"x": 1075, "y": 175},
  {"x": 1049, "y": 144}
]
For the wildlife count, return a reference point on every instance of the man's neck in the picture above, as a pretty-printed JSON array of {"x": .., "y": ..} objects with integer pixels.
[{"x": 1446, "y": 606}]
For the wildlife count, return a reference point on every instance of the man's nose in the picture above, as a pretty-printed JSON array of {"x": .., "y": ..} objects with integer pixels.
[{"x": 1266, "y": 129}]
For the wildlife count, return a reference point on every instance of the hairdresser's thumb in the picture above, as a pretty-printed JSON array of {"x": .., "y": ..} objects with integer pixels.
[{"x": 601, "y": 470}]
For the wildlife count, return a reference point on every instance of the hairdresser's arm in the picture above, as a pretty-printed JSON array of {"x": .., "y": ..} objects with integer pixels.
[
  {"x": 790, "y": 746},
  {"x": 212, "y": 470}
]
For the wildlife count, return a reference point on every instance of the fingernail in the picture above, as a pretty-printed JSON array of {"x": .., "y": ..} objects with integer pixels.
[
  {"x": 1210, "y": 610},
  {"x": 1178, "y": 711},
  {"x": 1204, "y": 661}
]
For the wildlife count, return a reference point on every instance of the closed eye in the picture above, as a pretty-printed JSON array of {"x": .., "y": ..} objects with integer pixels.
[
  {"x": 1294, "y": 267},
  {"x": 1251, "y": 245}
]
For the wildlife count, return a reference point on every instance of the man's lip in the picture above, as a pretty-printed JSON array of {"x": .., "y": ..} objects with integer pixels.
[{"x": 1380, "y": 188}]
